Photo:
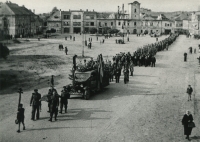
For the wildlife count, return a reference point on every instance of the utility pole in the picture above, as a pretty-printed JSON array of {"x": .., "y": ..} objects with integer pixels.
[
  {"x": 83, "y": 36},
  {"x": 20, "y": 91}
]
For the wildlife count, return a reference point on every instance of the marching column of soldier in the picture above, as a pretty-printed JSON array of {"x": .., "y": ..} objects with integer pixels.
[{"x": 144, "y": 56}]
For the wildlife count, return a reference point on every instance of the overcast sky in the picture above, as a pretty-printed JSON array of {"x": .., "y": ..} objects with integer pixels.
[{"x": 44, "y": 6}]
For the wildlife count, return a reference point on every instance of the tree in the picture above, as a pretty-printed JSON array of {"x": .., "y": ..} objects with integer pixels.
[
  {"x": 53, "y": 30},
  {"x": 4, "y": 51},
  {"x": 113, "y": 31},
  {"x": 54, "y": 10},
  {"x": 93, "y": 30},
  {"x": 105, "y": 30}
]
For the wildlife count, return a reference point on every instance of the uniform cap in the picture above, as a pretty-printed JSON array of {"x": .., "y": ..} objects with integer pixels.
[{"x": 35, "y": 89}]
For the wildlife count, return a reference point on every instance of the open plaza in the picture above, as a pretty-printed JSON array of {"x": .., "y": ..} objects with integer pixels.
[{"x": 150, "y": 105}]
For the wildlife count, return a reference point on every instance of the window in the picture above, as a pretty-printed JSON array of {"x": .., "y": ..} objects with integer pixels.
[
  {"x": 170, "y": 24},
  {"x": 66, "y": 30},
  {"x": 89, "y": 16},
  {"x": 128, "y": 24},
  {"x": 66, "y": 23},
  {"x": 76, "y": 23},
  {"x": 66, "y": 17},
  {"x": 76, "y": 16},
  {"x": 135, "y": 23},
  {"x": 87, "y": 24},
  {"x": 124, "y": 23},
  {"x": 119, "y": 23},
  {"x": 111, "y": 23},
  {"x": 135, "y": 10},
  {"x": 105, "y": 24},
  {"x": 100, "y": 24},
  {"x": 151, "y": 23},
  {"x": 91, "y": 23}
]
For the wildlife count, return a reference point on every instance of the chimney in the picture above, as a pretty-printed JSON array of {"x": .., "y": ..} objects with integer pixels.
[
  {"x": 69, "y": 9},
  {"x": 34, "y": 11},
  {"x": 80, "y": 9},
  {"x": 93, "y": 10},
  {"x": 87, "y": 10}
]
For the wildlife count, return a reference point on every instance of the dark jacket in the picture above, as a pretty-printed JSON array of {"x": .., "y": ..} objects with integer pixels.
[
  {"x": 189, "y": 90},
  {"x": 35, "y": 99},
  {"x": 54, "y": 102},
  {"x": 186, "y": 119},
  {"x": 20, "y": 114}
]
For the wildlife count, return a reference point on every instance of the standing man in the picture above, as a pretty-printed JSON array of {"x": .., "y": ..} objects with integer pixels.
[
  {"x": 64, "y": 99},
  {"x": 54, "y": 103},
  {"x": 52, "y": 80},
  {"x": 189, "y": 91},
  {"x": 66, "y": 50},
  {"x": 153, "y": 61},
  {"x": 36, "y": 104},
  {"x": 185, "y": 57},
  {"x": 117, "y": 74}
]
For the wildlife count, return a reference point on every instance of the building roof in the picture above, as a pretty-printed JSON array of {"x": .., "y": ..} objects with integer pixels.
[
  {"x": 106, "y": 15},
  {"x": 55, "y": 16},
  {"x": 183, "y": 16},
  {"x": 135, "y": 2},
  {"x": 18, "y": 10}
]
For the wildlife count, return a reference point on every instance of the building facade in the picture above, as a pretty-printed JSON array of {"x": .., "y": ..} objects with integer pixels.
[
  {"x": 136, "y": 21},
  {"x": 17, "y": 20}
]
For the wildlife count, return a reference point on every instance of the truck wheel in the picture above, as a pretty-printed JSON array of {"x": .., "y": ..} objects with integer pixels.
[{"x": 87, "y": 94}]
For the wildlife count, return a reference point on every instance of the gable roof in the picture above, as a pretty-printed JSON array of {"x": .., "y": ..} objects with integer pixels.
[
  {"x": 55, "y": 17},
  {"x": 18, "y": 10},
  {"x": 106, "y": 15}
]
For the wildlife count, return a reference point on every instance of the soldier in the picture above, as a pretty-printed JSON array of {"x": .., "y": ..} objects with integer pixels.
[
  {"x": 36, "y": 104},
  {"x": 131, "y": 68},
  {"x": 190, "y": 48},
  {"x": 54, "y": 103},
  {"x": 199, "y": 60},
  {"x": 126, "y": 75},
  {"x": 20, "y": 117},
  {"x": 153, "y": 61},
  {"x": 64, "y": 99},
  {"x": 117, "y": 74}
]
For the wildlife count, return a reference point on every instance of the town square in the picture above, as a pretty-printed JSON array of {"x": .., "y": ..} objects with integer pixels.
[{"x": 131, "y": 75}]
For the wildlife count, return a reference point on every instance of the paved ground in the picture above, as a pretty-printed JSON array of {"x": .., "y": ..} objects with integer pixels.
[{"x": 149, "y": 108}]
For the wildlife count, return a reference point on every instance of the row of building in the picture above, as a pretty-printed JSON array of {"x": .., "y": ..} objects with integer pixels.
[
  {"x": 17, "y": 20},
  {"x": 137, "y": 20}
]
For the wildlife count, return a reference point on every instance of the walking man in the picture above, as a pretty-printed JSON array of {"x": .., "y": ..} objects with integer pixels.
[
  {"x": 54, "y": 103},
  {"x": 189, "y": 91},
  {"x": 64, "y": 99},
  {"x": 36, "y": 104},
  {"x": 66, "y": 50}
]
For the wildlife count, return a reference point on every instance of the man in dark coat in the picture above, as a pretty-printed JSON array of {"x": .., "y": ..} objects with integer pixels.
[
  {"x": 189, "y": 91},
  {"x": 36, "y": 104},
  {"x": 64, "y": 99},
  {"x": 117, "y": 74},
  {"x": 153, "y": 61},
  {"x": 185, "y": 121},
  {"x": 54, "y": 103},
  {"x": 185, "y": 57}
]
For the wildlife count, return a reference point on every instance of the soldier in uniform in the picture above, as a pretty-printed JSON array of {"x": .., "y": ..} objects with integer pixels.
[
  {"x": 153, "y": 61},
  {"x": 36, "y": 104},
  {"x": 54, "y": 103},
  {"x": 64, "y": 99},
  {"x": 185, "y": 57},
  {"x": 117, "y": 74},
  {"x": 126, "y": 75},
  {"x": 131, "y": 68}
]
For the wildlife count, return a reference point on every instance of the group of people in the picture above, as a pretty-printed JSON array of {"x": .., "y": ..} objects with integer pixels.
[{"x": 53, "y": 99}]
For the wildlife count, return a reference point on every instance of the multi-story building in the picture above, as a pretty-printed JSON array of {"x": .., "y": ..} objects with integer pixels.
[
  {"x": 16, "y": 20},
  {"x": 137, "y": 20},
  {"x": 194, "y": 24}
]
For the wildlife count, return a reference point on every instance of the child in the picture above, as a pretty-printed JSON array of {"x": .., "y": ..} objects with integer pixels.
[{"x": 20, "y": 116}]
